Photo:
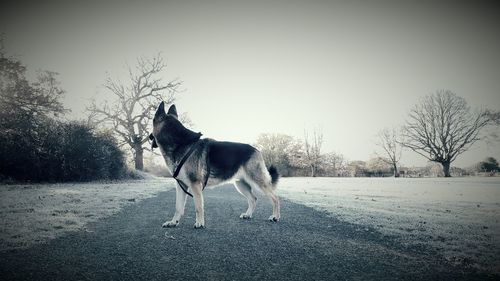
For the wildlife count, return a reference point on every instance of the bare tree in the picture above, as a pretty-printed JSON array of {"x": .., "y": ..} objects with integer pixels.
[
  {"x": 312, "y": 149},
  {"x": 388, "y": 140},
  {"x": 280, "y": 151},
  {"x": 442, "y": 127},
  {"x": 131, "y": 110},
  {"x": 335, "y": 163},
  {"x": 21, "y": 97},
  {"x": 357, "y": 168}
]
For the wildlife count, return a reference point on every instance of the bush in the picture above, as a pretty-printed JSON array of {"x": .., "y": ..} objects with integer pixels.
[
  {"x": 490, "y": 164},
  {"x": 50, "y": 150},
  {"x": 88, "y": 155}
]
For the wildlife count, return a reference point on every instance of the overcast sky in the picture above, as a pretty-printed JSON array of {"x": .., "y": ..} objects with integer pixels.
[{"x": 349, "y": 68}]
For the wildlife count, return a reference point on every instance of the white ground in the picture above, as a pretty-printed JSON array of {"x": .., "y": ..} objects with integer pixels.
[
  {"x": 458, "y": 216},
  {"x": 35, "y": 213}
]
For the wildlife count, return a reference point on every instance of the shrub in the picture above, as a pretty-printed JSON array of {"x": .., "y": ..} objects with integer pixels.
[
  {"x": 59, "y": 151},
  {"x": 490, "y": 164}
]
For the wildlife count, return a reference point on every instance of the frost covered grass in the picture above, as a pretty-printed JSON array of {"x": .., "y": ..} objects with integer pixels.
[
  {"x": 35, "y": 213},
  {"x": 458, "y": 217}
]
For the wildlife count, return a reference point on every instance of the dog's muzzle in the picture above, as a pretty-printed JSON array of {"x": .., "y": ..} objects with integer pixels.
[{"x": 153, "y": 141}]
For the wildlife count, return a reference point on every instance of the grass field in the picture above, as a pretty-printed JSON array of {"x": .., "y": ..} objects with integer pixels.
[
  {"x": 459, "y": 217},
  {"x": 35, "y": 213}
]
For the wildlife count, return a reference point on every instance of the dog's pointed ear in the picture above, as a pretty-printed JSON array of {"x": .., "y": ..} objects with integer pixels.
[
  {"x": 172, "y": 110},
  {"x": 160, "y": 111}
]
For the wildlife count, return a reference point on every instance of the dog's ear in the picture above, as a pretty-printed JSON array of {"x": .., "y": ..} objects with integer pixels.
[
  {"x": 160, "y": 111},
  {"x": 172, "y": 110}
]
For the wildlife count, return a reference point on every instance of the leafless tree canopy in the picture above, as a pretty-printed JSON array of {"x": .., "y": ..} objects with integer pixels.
[
  {"x": 280, "y": 150},
  {"x": 335, "y": 163},
  {"x": 442, "y": 127},
  {"x": 312, "y": 149},
  {"x": 389, "y": 142},
  {"x": 132, "y": 108},
  {"x": 39, "y": 98},
  {"x": 292, "y": 158}
]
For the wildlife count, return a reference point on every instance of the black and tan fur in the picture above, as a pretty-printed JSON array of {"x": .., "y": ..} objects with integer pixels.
[{"x": 213, "y": 162}]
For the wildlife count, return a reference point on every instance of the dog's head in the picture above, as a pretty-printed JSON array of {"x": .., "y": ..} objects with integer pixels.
[{"x": 168, "y": 131}]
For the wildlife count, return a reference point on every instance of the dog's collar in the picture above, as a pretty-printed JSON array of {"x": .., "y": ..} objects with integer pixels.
[
  {"x": 184, "y": 159},
  {"x": 179, "y": 167}
]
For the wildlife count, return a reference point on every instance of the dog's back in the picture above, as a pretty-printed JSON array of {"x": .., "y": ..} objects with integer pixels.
[{"x": 226, "y": 158}]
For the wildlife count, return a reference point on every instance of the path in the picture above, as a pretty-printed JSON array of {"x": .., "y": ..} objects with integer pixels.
[{"x": 305, "y": 245}]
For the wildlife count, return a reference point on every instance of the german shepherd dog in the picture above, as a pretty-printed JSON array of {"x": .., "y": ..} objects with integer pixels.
[{"x": 196, "y": 163}]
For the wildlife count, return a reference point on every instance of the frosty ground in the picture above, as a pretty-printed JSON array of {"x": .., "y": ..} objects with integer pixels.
[
  {"x": 35, "y": 213},
  {"x": 457, "y": 218}
]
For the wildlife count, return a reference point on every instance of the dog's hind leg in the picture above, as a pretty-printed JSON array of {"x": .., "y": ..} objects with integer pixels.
[
  {"x": 246, "y": 190},
  {"x": 180, "y": 203},
  {"x": 257, "y": 182},
  {"x": 258, "y": 177},
  {"x": 276, "y": 204}
]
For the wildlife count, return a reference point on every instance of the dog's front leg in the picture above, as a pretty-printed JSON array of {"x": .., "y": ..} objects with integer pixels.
[
  {"x": 180, "y": 203},
  {"x": 199, "y": 205}
]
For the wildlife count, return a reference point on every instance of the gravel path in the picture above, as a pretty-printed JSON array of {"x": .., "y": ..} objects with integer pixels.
[{"x": 305, "y": 245}]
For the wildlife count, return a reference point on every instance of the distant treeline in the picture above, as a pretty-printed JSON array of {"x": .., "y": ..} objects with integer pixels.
[
  {"x": 37, "y": 145},
  {"x": 294, "y": 157}
]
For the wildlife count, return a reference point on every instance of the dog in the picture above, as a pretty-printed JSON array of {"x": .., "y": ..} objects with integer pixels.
[{"x": 197, "y": 162}]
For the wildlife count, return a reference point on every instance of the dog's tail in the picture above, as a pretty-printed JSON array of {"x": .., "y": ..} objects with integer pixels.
[{"x": 273, "y": 172}]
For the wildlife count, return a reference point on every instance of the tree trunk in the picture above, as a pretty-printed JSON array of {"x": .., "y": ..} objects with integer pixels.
[
  {"x": 139, "y": 157},
  {"x": 396, "y": 172},
  {"x": 446, "y": 169},
  {"x": 313, "y": 171}
]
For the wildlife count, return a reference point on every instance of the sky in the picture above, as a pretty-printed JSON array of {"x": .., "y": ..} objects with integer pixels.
[{"x": 346, "y": 68}]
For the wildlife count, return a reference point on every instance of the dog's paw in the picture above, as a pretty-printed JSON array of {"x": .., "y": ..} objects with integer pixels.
[
  {"x": 245, "y": 216},
  {"x": 273, "y": 218},
  {"x": 198, "y": 225},
  {"x": 170, "y": 224}
]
